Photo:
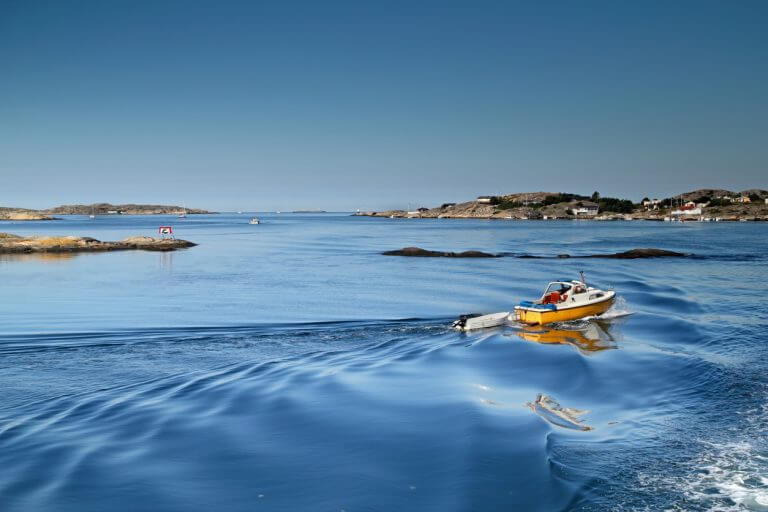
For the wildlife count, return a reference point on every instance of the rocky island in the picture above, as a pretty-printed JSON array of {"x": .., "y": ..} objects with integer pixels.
[
  {"x": 7, "y": 213},
  {"x": 22, "y": 214},
  {"x": 123, "y": 209},
  {"x": 15, "y": 244},
  {"x": 698, "y": 205}
]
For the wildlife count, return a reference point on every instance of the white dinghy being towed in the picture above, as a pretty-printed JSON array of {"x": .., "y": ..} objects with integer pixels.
[{"x": 470, "y": 322}]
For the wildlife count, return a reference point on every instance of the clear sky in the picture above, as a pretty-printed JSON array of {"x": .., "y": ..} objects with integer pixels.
[{"x": 343, "y": 105}]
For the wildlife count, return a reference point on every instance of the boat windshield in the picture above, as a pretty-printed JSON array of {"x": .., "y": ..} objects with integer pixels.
[{"x": 560, "y": 288}]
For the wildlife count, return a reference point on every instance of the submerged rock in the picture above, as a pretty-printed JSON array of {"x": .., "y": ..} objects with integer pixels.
[
  {"x": 14, "y": 244},
  {"x": 419, "y": 252}
]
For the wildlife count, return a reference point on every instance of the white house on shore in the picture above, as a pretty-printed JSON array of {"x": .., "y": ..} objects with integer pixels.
[
  {"x": 652, "y": 204},
  {"x": 587, "y": 209},
  {"x": 484, "y": 200}
]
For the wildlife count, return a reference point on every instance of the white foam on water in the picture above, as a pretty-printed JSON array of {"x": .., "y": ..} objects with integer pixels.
[
  {"x": 617, "y": 310},
  {"x": 729, "y": 476}
]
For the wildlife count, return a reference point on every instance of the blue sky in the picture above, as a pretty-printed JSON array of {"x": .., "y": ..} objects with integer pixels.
[{"x": 344, "y": 105}]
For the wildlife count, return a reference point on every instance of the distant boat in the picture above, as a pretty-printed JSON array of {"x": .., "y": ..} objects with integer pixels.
[
  {"x": 254, "y": 220},
  {"x": 183, "y": 214},
  {"x": 92, "y": 216}
]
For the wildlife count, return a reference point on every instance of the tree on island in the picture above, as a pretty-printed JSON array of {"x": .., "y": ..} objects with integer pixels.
[{"x": 596, "y": 196}]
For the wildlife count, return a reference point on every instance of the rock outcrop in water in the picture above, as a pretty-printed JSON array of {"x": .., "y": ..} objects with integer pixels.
[
  {"x": 632, "y": 254},
  {"x": 424, "y": 253},
  {"x": 20, "y": 214},
  {"x": 15, "y": 244}
]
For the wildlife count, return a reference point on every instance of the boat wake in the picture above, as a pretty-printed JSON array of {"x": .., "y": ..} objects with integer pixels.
[
  {"x": 619, "y": 309},
  {"x": 730, "y": 472}
]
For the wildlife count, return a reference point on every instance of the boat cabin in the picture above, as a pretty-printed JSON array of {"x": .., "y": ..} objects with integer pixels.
[{"x": 559, "y": 291}]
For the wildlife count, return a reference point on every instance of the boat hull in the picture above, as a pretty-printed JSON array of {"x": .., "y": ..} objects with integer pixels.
[{"x": 540, "y": 317}]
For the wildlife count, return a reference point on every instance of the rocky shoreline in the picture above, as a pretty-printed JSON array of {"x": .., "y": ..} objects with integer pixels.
[
  {"x": 15, "y": 244},
  {"x": 540, "y": 206}
]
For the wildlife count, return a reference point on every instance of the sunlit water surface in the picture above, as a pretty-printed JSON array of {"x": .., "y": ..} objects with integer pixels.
[{"x": 290, "y": 366}]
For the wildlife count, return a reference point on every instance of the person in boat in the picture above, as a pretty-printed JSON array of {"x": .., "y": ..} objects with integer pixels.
[{"x": 555, "y": 296}]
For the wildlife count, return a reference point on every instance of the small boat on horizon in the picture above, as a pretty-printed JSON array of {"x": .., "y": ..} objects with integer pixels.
[{"x": 254, "y": 220}]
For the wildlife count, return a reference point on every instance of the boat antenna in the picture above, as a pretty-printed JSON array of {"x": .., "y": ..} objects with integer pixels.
[{"x": 583, "y": 280}]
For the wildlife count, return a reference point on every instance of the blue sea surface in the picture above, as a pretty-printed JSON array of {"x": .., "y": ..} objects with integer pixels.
[{"x": 291, "y": 366}]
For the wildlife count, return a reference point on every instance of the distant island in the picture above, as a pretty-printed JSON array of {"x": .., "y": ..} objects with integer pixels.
[
  {"x": 697, "y": 205},
  {"x": 123, "y": 209},
  {"x": 7, "y": 213}
]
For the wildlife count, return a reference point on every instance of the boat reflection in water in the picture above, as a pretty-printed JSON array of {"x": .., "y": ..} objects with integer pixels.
[{"x": 588, "y": 337}]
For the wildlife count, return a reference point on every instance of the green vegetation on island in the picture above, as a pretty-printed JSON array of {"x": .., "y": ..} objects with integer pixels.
[{"x": 701, "y": 204}]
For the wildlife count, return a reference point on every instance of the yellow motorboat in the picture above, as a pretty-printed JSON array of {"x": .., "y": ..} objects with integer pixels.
[{"x": 563, "y": 301}]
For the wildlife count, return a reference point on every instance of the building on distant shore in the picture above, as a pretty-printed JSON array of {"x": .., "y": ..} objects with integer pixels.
[
  {"x": 652, "y": 204},
  {"x": 586, "y": 209},
  {"x": 743, "y": 199},
  {"x": 687, "y": 210},
  {"x": 484, "y": 200}
]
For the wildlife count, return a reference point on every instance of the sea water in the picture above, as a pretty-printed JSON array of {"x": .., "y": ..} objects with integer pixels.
[{"x": 291, "y": 366}]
